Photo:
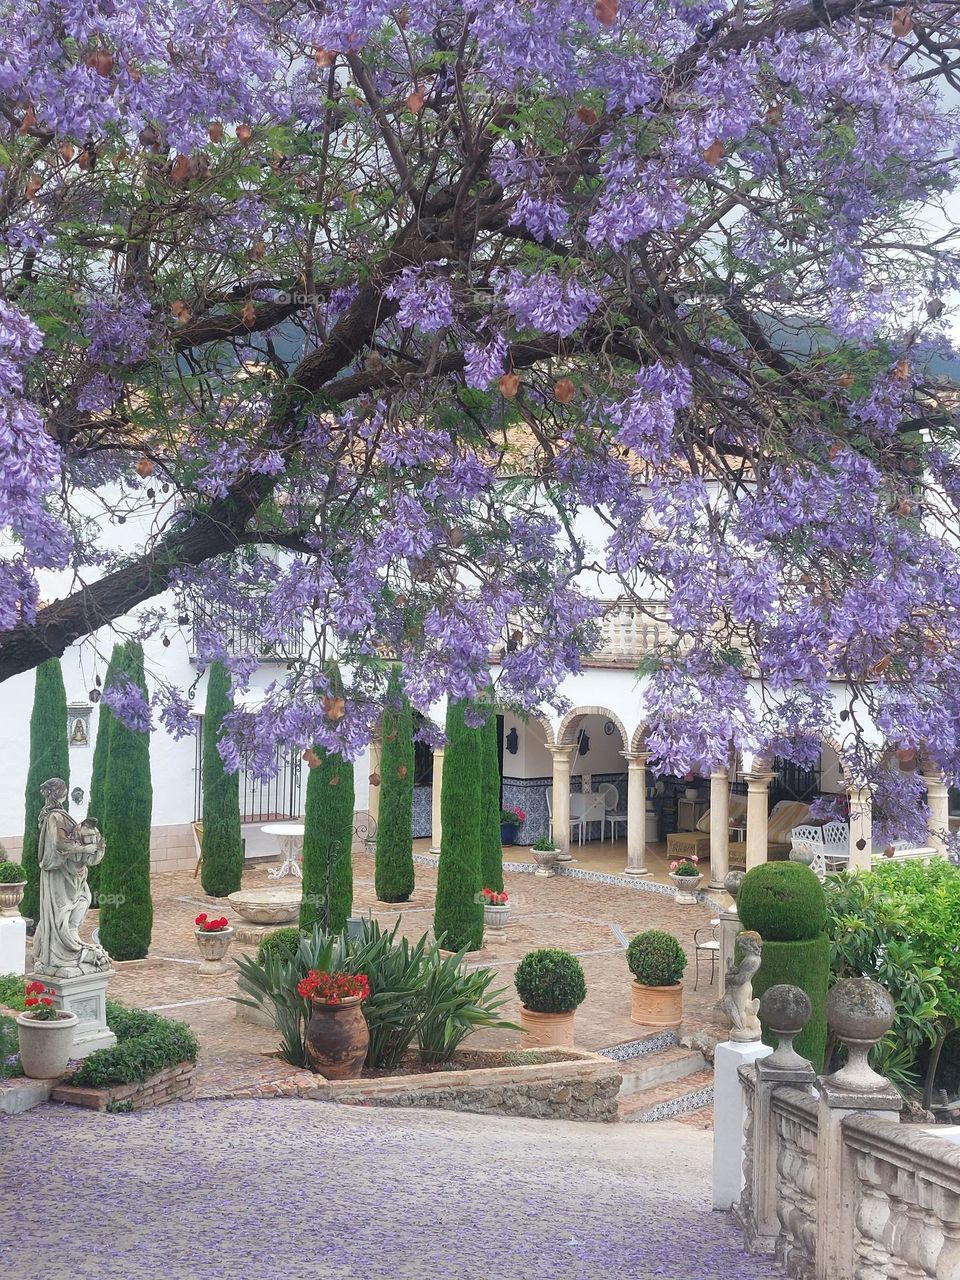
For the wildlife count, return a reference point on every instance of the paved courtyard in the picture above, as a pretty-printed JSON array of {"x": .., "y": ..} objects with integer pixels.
[
  {"x": 270, "y": 1190},
  {"x": 593, "y": 920}
]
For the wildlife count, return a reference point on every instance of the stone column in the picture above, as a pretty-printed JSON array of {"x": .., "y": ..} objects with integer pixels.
[
  {"x": 757, "y": 783},
  {"x": 861, "y": 829},
  {"x": 729, "y": 1115},
  {"x": 436, "y": 826},
  {"x": 636, "y": 813},
  {"x": 938, "y": 802},
  {"x": 373, "y": 800},
  {"x": 562, "y": 760},
  {"x": 719, "y": 827},
  {"x": 786, "y": 1011},
  {"x": 859, "y": 1013}
]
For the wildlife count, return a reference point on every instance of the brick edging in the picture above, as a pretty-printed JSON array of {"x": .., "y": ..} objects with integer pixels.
[{"x": 172, "y": 1084}]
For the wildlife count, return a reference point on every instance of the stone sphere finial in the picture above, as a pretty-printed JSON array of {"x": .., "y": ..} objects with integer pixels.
[
  {"x": 786, "y": 1011},
  {"x": 860, "y": 1013},
  {"x": 732, "y": 882}
]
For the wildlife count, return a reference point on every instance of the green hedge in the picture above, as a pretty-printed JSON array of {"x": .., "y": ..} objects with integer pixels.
[
  {"x": 146, "y": 1044},
  {"x": 221, "y": 870},
  {"x": 491, "y": 849},
  {"x": 49, "y": 758},
  {"x": 327, "y": 844},
  {"x": 393, "y": 872},
  {"x": 783, "y": 902},
  {"x": 806, "y": 965},
  {"x": 282, "y": 942},
  {"x": 101, "y": 755},
  {"x": 458, "y": 906}
]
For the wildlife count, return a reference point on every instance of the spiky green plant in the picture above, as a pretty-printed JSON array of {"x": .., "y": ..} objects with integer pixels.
[{"x": 49, "y": 758}]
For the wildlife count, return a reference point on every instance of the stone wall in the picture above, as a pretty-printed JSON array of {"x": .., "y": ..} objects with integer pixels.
[
  {"x": 583, "y": 1088},
  {"x": 173, "y": 1084}
]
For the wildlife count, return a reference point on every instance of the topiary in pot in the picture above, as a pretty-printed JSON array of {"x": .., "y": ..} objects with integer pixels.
[
  {"x": 551, "y": 985},
  {"x": 785, "y": 903},
  {"x": 657, "y": 961}
]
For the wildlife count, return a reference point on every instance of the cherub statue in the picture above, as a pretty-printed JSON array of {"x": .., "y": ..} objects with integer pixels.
[{"x": 738, "y": 1002}]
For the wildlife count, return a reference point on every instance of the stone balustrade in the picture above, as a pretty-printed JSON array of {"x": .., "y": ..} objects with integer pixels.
[{"x": 835, "y": 1185}]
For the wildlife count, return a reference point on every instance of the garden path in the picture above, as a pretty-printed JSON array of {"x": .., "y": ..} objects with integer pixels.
[{"x": 276, "y": 1189}]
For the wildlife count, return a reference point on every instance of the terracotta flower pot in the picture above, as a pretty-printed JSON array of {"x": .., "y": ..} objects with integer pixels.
[
  {"x": 11, "y": 895},
  {"x": 656, "y": 1006},
  {"x": 45, "y": 1046},
  {"x": 546, "y": 1030},
  {"x": 214, "y": 946},
  {"x": 337, "y": 1038}
]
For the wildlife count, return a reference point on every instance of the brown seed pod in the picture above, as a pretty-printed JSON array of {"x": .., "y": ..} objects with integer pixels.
[
  {"x": 586, "y": 115},
  {"x": 244, "y": 133},
  {"x": 605, "y": 12},
  {"x": 67, "y": 152},
  {"x": 324, "y": 57},
  {"x": 374, "y": 779},
  {"x": 509, "y": 385},
  {"x": 180, "y": 169},
  {"x": 248, "y": 315},
  {"x": 416, "y": 101},
  {"x": 144, "y": 467},
  {"x": 334, "y": 708},
  {"x": 101, "y": 61},
  {"x": 714, "y": 153},
  {"x": 564, "y": 391},
  {"x": 215, "y": 131}
]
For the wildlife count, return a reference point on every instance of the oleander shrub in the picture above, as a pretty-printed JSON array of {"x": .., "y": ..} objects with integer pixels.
[
  {"x": 11, "y": 873},
  {"x": 282, "y": 943},
  {"x": 136, "y": 1057},
  {"x": 656, "y": 959},
  {"x": 783, "y": 902},
  {"x": 550, "y": 981}
]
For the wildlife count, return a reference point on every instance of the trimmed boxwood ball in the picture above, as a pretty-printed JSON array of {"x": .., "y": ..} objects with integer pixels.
[
  {"x": 550, "y": 981},
  {"x": 783, "y": 902},
  {"x": 283, "y": 943},
  {"x": 656, "y": 959},
  {"x": 804, "y": 964},
  {"x": 11, "y": 873}
]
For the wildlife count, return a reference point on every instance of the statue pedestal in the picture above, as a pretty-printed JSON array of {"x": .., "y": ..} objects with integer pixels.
[
  {"x": 86, "y": 996},
  {"x": 729, "y": 1113},
  {"x": 13, "y": 944}
]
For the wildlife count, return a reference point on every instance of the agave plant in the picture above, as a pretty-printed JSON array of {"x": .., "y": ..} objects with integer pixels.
[
  {"x": 271, "y": 986},
  {"x": 455, "y": 1004}
]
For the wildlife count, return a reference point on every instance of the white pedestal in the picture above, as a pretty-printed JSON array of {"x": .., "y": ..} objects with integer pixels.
[
  {"x": 86, "y": 996},
  {"x": 728, "y": 1117},
  {"x": 13, "y": 944}
]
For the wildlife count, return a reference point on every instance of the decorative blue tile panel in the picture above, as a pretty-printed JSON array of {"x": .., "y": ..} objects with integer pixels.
[
  {"x": 676, "y": 1106},
  {"x": 639, "y": 1048}
]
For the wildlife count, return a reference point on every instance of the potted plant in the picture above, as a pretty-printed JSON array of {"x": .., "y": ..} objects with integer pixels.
[
  {"x": 546, "y": 854},
  {"x": 496, "y": 910},
  {"x": 685, "y": 875},
  {"x": 337, "y": 1037},
  {"x": 213, "y": 938},
  {"x": 511, "y": 820},
  {"x": 12, "y": 884},
  {"x": 45, "y": 1033},
  {"x": 657, "y": 961},
  {"x": 550, "y": 985}
]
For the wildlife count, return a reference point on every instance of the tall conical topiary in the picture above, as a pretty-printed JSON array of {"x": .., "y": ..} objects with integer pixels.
[
  {"x": 101, "y": 753},
  {"x": 394, "y": 875},
  {"x": 327, "y": 843},
  {"x": 328, "y": 835},
  {"x": 126, "y": 908},
  {"x": 458, "y": 912},
  {"x": 49, "y": 758},
  {"x": 491, "y": 850},
  {"x": 221, "y": 870}
]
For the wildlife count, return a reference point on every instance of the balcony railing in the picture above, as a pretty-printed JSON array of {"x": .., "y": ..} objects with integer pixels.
[
  {"x": 631, "y": 630},
  {"x": 240, "y": 635}
]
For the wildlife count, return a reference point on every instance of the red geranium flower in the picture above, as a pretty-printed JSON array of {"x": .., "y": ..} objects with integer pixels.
[
  {"x": 45, "y": 1000},
  {"x": 201, "y": 918},
  {"x": 30, "y": 1001}
]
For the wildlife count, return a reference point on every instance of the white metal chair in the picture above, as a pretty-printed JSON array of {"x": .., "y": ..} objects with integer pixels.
[
  {"x": 576, "y": 820},
  {"x": 706, "y": 946},
  {"x": 611, "y": 801},
  {"x": 808, "y": 841},
  {"x": 836, "y": 845}
]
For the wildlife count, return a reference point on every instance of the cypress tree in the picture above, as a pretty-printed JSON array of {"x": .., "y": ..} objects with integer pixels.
[
  {"x": 101, "y": 752},
  {"x": 221, "y": 870},
  {"x": 458, "y": 912},
  {"x": 394, "y": 875},
  {"x": 491, "y": 850},
  {"x": 49, "y": 758},
  {"x": 126, "y": 908},
  {"x": 328, "y": 843}
]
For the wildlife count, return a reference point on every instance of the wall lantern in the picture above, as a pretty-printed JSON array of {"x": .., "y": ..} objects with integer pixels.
[
  {"x": 512, "y": 741},
  {"x": 583, "y": 743}
]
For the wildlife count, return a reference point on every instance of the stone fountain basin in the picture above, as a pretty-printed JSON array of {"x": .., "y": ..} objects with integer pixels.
[{"x": 267, "y": 906}]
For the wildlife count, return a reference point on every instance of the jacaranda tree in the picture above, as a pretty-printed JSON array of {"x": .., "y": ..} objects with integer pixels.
[
  {"x": 401, "y": 290},
  {"x": 394, "y": 875},
  {"x": 126, "y": 907},
  {"x": 49, "y": 758}
]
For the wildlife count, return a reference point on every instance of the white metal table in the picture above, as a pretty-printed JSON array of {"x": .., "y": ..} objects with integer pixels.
[{"x": 291, "y": 846}]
